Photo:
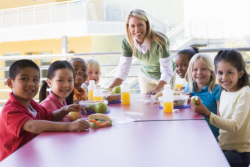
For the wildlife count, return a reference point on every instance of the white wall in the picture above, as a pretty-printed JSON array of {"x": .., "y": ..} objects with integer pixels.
[{"x": 235, "y": 14}]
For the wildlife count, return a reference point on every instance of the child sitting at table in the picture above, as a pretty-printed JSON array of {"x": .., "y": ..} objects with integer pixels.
[
  {"x": 80, "y": 70},
  {"x": 182, "y": 60},
  {"x": 60, "y": 78},
  {"x": 94, "y": 72},
  {"x": 234, "y": 112},
  {"x": 21, "y": 118},
  {"x": 201, "y": 82}
]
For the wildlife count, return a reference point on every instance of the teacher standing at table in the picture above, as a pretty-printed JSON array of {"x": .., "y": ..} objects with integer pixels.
[{"x": 151, "y": 48}]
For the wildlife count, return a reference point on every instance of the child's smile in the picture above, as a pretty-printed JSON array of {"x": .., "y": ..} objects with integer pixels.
[
  {"x": 181, "y": 62},
  {"x": 62, "y": 83},
  {"x": 26, "y": 84},
  {"x": 228, "y": 76},
  {"x": 201, "y": 74},
  {"x": 225, "y": 83},
  {"x": 30, "y": 91},
  {"x": 80, "y": 70},
  {"x": 93, "y": 75}
]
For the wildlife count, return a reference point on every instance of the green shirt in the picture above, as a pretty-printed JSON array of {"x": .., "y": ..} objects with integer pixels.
[{"x": 150, "y": 64}]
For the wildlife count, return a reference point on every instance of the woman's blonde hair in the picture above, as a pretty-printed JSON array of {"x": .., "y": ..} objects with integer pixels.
[
  {"x": 207, "y": 60},
  {"x": 92, "y": 63},
  {"x": 151, "y": 35}
]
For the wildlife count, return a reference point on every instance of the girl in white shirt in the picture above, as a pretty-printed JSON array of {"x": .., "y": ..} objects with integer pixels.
[{"x": 234, "y": 111}]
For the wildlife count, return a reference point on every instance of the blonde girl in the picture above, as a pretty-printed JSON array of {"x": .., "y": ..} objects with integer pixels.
[
  {"x": 201, "y": 82},
  {"x": 94, "y": 72}
]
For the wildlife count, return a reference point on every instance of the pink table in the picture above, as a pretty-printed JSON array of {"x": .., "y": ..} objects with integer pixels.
[
  {"x": 135, "y": 144},
  {"x": 151, "y": 112}
]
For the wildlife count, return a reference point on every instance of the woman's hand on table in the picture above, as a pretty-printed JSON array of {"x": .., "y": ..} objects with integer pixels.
[
  {"x": 157, "y": 89},
  {"x": 152, "y": 92},
  {"x": 201, "y": 109},
  {"x": 79, "y": 124}
]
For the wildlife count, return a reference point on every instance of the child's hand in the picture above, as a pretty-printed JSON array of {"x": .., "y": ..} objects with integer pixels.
[
  {"x": 189, "y": 94},
  {"x": 79, "y": 124},
  {"x": 200, "y": 109},
  {"x": 74, "y": 107},
  {"x": 180, "y": 88}
]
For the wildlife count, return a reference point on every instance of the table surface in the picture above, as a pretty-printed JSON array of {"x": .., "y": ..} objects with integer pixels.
[
  {"x": 141, "y": 111},
  {"x": 134, "y": 144}
]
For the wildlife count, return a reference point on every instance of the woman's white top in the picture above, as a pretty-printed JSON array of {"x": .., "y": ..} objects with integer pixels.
[{"x": 166, "y": 67}]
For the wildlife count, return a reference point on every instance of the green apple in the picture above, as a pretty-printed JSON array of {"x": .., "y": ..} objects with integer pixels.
[
  {"x": 101, "y": 108},
  {"x": 117, "y": 89}
]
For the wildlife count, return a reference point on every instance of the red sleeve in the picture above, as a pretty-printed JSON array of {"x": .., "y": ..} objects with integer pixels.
[
  {"x": 47, "y": 106},
  {"x": 46, "y": 114},
  {"x": 15, "y": 120}
]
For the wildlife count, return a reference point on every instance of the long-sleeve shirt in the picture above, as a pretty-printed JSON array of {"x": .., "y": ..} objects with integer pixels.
[
  {"x": 234, "y": 120},
  {"x": 156, "y": 63}
]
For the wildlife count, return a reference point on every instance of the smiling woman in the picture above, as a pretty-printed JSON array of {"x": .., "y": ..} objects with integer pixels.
[{"x": 151, "y": 48}]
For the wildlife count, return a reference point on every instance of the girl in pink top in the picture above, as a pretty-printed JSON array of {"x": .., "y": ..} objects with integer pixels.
[{"x": 60, "y": 78}]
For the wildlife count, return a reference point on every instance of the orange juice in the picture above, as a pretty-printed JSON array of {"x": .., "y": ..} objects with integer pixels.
[
  {"x": 168, "y": 106},
  {"x": 125, "y": 97},
  {"x": 98, "y": 98},
  {"x": 178, "y": 86},
  {"x": 90, "y": 94}
]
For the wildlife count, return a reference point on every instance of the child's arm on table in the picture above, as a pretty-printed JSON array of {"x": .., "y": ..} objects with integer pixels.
[
  {"x": 61, "y": 113},
  {"x": 39, "y": 126}
]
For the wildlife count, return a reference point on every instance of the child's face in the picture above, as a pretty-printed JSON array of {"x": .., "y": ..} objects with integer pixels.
[
  {"x": 62, "y": 83},
  {"x": 228, "y": 76},
  {"x": 93, "y": 74},
  {"x": 182, "y": 63},
  {"x": 201, "y": 74},
  {"x": 80, "y": 69},
  {"x": 26, "y": 84}
]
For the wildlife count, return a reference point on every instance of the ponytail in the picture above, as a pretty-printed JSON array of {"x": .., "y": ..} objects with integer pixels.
[
  {"x": 43, "y": 92},
  {"x": 69, "y": 99}
]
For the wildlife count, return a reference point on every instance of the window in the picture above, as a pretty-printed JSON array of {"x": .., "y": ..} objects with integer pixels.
[
  {"x": 44, "y": 65},
  {"x": 8, "y": 63}
]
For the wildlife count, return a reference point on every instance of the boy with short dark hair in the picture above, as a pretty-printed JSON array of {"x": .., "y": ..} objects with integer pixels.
[
  {"x": 80, "y": 69},
  {"x": 22, "y": 118}
]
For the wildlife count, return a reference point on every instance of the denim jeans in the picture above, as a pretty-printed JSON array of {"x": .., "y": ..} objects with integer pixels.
[{"x": 236, "y": 159}]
